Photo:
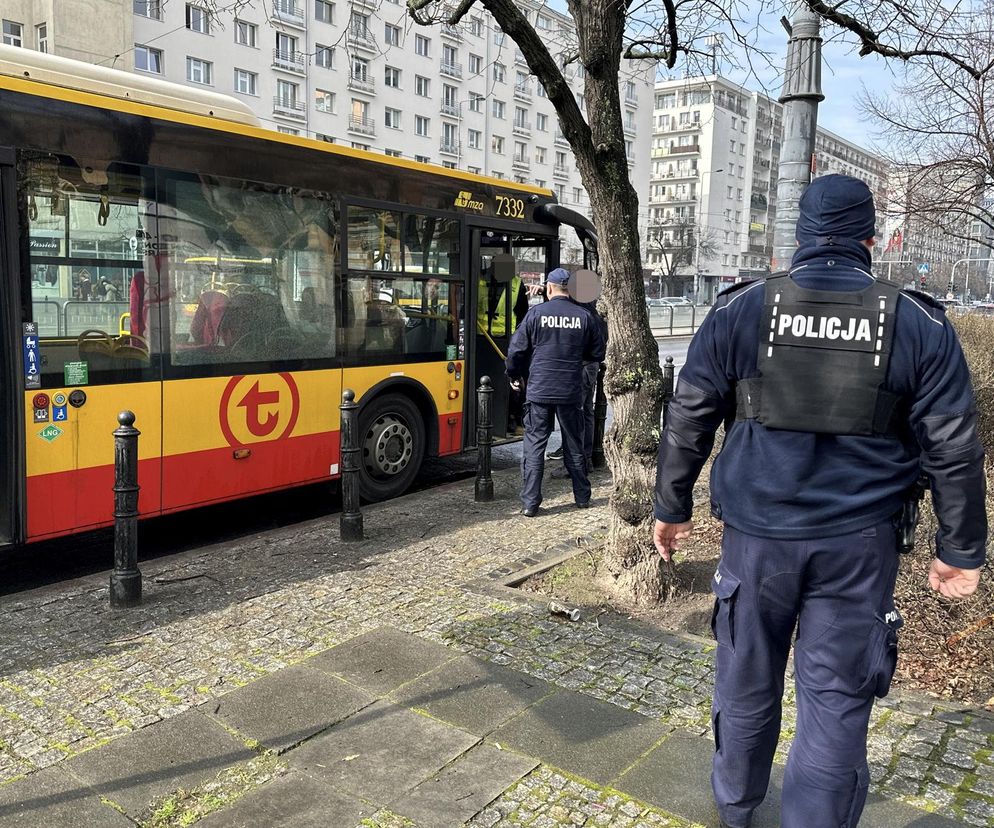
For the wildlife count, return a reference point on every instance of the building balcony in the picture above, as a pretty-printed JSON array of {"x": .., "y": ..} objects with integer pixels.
[
  {"x": 360, "y": 37},
  {"x": 363, "y": 126},
  {"x": 451, "y": 32},
  {"x": 684, "y": 198},
  {"x": 522, "y": 128},
  {"x": 630, "y": 129},
  {"x": 358, "y": 83},
  {"x": 760, "y": 249},
  {"x": 451, "y": 70},
  {"x": 290, "y": 108},
  {"x": 561, "y": 139},
  {"x": 449, "y": 109},
  {"x": 520, "y": 162},
  {"x": 756, "y": 227},
  {"x": 685, "y": 149},
  {"x": 659, "y": 152},
  {"x": 632, "y": 99},
  {"x": 289, "y": 13},
  {"x": 523, "y": 91},
  {"x": 449, "y": 148},
  {"x": 519, "y": 57},
  {"x": 560, "y": 171},
  {"x": 289, "y": 61}
]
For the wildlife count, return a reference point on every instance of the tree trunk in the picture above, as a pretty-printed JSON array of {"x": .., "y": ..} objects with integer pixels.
[{"x": 633, "y": 381}]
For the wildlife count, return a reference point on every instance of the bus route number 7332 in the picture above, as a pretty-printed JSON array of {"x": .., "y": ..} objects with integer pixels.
[{"x": 510, "y": 207}]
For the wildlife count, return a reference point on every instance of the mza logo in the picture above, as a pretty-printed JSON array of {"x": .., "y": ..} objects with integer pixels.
[
  {"x": 258, "y": 408},
  {"x": 465, "y": 199}
]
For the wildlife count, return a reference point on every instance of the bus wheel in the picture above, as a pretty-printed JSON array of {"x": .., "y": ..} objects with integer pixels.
[{"x": 392, "y": 439}]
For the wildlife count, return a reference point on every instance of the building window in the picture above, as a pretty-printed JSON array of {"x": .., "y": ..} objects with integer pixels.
[
  {"x": 13, "y": 33},
  {"x": 359, "y": 146},
  {"x": 421, "y": 125},
  {"x": 542, "y": 22},
  {"x": 474, "y": 170},
  {"x": 422, "y": 86},
  {"x": 324, "y": 101},
  {"x": 246, "y": 34},
  {"x": 540, "y": 156},
  {"x": 197, "y": 19},
  {"x": 391, "y": 35},
  {"x": 473, "y": 138},
  {"x": 475, "y": 64},
  {"x": 360, "y": 69},
  {"x": 498, "y": 109},
  {"x": 450, "y": 135},
  {"x": 449, "y": 165},
  {"x": 328, "y": 139},
  {"x": 423, "y": 159},
  {"x": 148, "y": 8},
  {"x": 391, "y": 118},
  {"x": 542, "y": 122},
  {"x": 41, "y": 37},
  {"x": 245, "y": 82},
  {"x": 498, "y": 144},
  {"x": 476, "y": 26},
  {"x": 498, "y": 37},
  {"x": 199, "y": 71},
  {"x": 324, "y": 56},
  {"x": 500, "y": 72},
  {"x": 286, "y": 93},
  {"x": 392, "y": 153},
  {"x": 577, "y": 195},
  {"x": 148, "y": 59},
  {"x": 422, "y": 45},
  {"x": 391, "y": 77},
  {"x": 324, "y": 12},
  {"x": 540, "y": 91},
  {"x": 288, "y": 130},
  {"x": 475, "y": 102}
]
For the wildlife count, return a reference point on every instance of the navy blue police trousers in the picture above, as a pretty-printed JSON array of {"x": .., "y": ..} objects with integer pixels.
[
  {"x": 838, "y": 594},
  {"x": 539, "y": 421}
]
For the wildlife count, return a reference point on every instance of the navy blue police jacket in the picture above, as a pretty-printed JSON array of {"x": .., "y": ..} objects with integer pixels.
[
  {"x": 796, "y": 485},
  {"x": 549, "y": 347}
]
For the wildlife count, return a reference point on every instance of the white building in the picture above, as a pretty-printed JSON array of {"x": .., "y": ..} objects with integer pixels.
[{"x": 712, "y": 200}]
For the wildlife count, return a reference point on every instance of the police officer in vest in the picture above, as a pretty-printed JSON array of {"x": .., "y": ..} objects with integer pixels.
[
  {"x": 547, "y": 354},
  {"x": 837, "y": 391}
]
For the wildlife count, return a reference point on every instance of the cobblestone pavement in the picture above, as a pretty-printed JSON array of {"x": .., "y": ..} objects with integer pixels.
[{"x": 75, "y": 674}]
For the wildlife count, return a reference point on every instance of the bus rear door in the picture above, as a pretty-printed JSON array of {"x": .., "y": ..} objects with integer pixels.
[{"x": 11, "y": 353}]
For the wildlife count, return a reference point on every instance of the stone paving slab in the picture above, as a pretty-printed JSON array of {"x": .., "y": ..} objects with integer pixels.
[
  {"x": 284, "y": 708},
  {"x": 585, "y": 736},
  {"x": 295, "y": 801},
  {"x": 53, "y": 797},
  {"x": 473, "y": 694},
  {"x": 461, "y": 790},
  {"x": 381, "y": 752},
  {"x": 383, "y": 660},
  {"x": 138, "y": 768}
]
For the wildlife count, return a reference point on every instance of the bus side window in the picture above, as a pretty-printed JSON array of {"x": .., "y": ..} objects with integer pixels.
[{"x": 253, "y": 270}]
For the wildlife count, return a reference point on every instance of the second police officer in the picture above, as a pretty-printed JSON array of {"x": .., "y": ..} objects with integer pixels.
[
  {"x": 836, "y": 390},
  {"x": 546, "y": 355}
]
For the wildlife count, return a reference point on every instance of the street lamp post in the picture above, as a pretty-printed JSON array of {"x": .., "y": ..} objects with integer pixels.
[{"x": 966, "y": 284}]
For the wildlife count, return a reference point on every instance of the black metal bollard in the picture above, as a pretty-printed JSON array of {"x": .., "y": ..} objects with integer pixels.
[
  {"x": 126, "y": 580},
  {"x": 484, "y": 490},
  {"x": 350, "y": 522},
  {"x": 667, "y": 385},
  {"x": 600, "y": 418}
]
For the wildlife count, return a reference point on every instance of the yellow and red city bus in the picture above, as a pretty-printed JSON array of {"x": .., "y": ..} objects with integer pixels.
[{"x": 163, "y": 253}]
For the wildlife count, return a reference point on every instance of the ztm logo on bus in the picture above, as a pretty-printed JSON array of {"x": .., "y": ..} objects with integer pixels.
[{"x": 259, "y": 408}]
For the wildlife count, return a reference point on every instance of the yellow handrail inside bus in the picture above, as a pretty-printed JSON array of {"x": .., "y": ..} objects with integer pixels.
[{"x": 483, "y": 331}]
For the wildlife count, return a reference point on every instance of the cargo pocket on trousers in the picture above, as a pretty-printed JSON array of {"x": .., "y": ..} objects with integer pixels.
[
  {"x": 881, "y": 653},
  {"x": 725, "y": 588}
]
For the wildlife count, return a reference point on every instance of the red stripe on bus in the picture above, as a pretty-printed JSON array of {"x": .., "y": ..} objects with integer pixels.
[
  {"x": 449, "y": 434},
  {"x": 204, "y": 477},
  {"x": 65, "y": 502}
]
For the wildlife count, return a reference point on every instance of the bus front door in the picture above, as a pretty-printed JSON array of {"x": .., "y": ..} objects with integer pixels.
[
  {"x": 504, "y": 266},
  {"x": 11, "y": 371}
]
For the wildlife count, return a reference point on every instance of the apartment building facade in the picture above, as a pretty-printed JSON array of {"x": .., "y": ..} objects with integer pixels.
[
  {"x": 97, "y": 31},
  {"x": 713, "y": 182}
]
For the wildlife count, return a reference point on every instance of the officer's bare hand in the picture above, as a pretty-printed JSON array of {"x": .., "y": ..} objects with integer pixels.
[
  {"x": 952, "y": 581},
  {"x": 535, "y": 290},
  {"x": 667, "y": 535},
  {"x": 516, "y": 384}
]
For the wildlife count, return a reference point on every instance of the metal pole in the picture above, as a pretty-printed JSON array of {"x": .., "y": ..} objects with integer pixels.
[
  {"x": 800, "y": 97},
  {"x": 484, "y": 489},
  {"x": 667, "y": 386},
  {"x": 600, "y": 419},
  {"x": 350, "y": 521},
  {"x": 126, "y": 580}
]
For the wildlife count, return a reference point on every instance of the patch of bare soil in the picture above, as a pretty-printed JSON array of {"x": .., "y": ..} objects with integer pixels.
[{"x": 947, "y": 647}]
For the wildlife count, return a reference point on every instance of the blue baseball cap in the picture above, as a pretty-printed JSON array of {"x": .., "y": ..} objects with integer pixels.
[
  {"x": 838, "y": 206},
  {"x": 559, "y": 276}
]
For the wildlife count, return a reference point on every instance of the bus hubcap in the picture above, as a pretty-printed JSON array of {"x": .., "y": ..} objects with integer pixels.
[{"x": 389, "y": 445}]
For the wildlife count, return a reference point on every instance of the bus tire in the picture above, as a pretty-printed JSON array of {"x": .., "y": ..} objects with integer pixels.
[{"x": 392, "y": 446}]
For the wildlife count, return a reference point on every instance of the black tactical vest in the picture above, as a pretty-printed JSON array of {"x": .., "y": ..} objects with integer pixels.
[{"x": 823, "y": 358}]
